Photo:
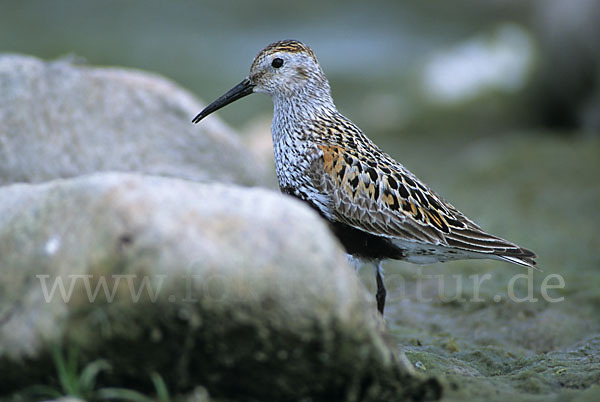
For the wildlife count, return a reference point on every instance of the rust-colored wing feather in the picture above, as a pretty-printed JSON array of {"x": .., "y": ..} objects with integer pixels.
[{"x": 377, "y": 195}]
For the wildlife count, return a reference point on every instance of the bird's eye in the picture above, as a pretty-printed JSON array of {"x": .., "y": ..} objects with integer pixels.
[{"x": 277, "y": 62}]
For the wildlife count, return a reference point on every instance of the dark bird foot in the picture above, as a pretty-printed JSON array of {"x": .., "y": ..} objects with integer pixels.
[{"x": 381, "y": 292}]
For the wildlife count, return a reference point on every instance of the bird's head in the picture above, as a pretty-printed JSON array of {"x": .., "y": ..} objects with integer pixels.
[
  {"x": 283, "y": 70},
  {"x": 286, "y": 68}
]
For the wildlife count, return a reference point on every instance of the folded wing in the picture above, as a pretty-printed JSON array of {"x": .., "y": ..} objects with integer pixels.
[{"x": 379, "y": 196}]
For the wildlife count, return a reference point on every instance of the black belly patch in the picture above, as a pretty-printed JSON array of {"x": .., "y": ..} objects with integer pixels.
[
  {"x": 355, "y": 241},
  {"x": 365, "y": 245}
]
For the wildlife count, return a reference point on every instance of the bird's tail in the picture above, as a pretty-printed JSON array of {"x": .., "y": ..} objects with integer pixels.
[
  {"x": 520, "y": 256},
  {"x": 474, "y": 239}
]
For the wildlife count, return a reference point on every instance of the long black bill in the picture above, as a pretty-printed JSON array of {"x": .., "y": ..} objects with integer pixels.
[{"x": 239, "y": 91}]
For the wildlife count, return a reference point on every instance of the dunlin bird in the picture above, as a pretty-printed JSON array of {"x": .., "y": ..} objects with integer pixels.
[{"x": 375, "y": 206}]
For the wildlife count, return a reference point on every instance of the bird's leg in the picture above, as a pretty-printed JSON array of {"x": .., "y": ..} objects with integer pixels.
[{"x": 381, "y": 292}]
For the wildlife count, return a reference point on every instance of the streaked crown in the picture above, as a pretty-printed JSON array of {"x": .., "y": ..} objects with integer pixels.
[{"x": 287, "y": 46}]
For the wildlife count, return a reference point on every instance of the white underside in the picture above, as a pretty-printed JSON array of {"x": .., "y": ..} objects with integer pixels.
[{"x": 358, "y": 263}]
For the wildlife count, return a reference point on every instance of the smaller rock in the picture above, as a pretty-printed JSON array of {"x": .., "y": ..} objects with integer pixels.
[{"x": 59, "y": 119}]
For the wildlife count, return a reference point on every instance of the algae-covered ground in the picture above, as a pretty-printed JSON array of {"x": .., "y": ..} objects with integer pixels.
[{"x": 543, "y": 192}]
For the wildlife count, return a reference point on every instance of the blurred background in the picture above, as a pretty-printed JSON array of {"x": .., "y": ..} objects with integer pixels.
[
  {"x": 495, "y": 104},
  {"x": 408, "y": 67}
]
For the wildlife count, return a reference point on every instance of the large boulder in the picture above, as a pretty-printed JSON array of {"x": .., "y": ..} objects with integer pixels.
[
  {"x": 59, "y": 119},
  {"x": 242, "y": 291}
]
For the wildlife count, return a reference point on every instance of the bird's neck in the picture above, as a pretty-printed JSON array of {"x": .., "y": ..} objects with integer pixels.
[{"x": 295, "y": 112}]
